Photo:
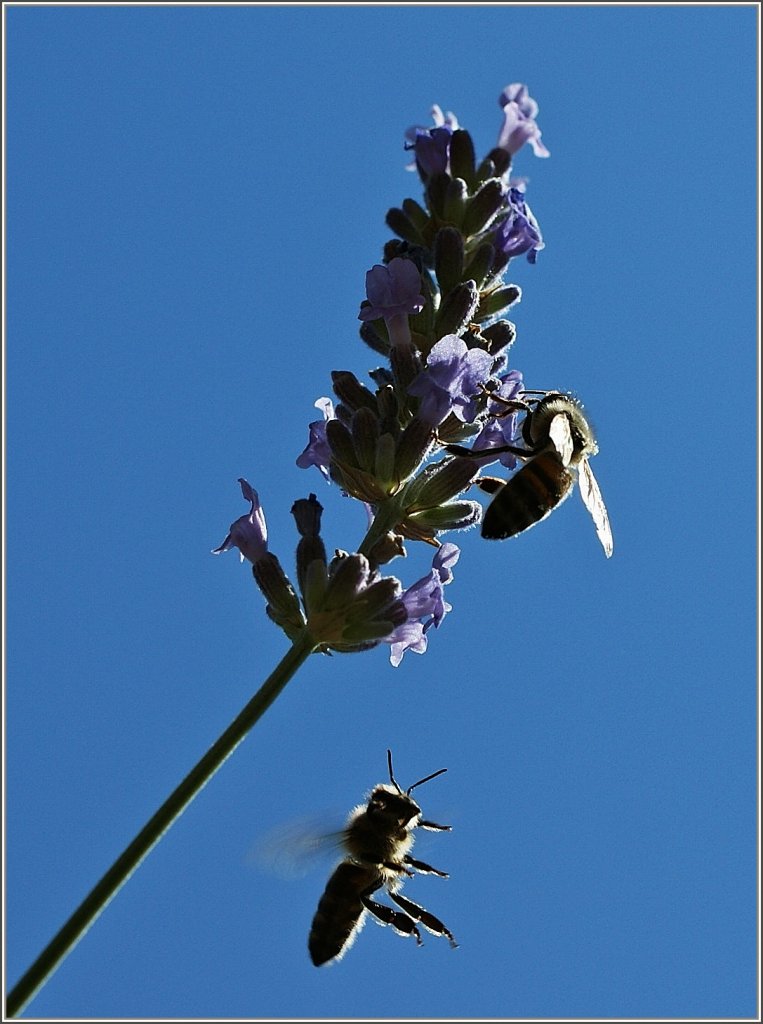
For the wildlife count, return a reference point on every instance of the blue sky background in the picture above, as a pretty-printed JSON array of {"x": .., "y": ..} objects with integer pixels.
[{"x": 194, "y": 196}]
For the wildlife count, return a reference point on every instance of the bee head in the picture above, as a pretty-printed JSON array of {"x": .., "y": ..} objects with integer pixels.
[
  {"x": 392, "y": 806},
  {"x": 554, "y": 403}
]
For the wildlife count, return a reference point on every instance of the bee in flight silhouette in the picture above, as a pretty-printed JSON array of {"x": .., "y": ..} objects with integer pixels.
[{"x": 377, "y": 840}]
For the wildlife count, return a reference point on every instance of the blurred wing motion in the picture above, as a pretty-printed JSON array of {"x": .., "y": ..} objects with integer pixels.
[
  {"x": 294, "y": 848},
  {"x": 593, "y": 501},
  {"x": 560, "y": 436}
]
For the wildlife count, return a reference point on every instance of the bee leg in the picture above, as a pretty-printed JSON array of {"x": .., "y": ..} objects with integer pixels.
[
  {"x": 481, "y": 453},
  {"x": 430, "y": 922},
  {"x": 432, "y": 825},
  {"x": 400, "y": 922},
  {"x": 425, "y": 869},
  {"x": 392, "y": 866},
  {"x": 490, "y": 484}
]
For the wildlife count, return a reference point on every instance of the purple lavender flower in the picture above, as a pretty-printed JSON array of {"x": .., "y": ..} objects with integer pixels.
[
  {"x": 519, "y": 126},
  {"x": 392, "y": 289},
  {"x": 317, "y": 453},
  {"x": 432, "y": 145},
  {"x": 425, "y": 604},
  {"x": 394, "y": 292},
  {"x": 502, "y": 428},
  {"x": 249, "y": 533},
  {"x": 453, "y": 376},
  {"x": 519, "y": 232}
]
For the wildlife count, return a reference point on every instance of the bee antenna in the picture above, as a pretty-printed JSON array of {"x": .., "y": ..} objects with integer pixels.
[
  {"x": 392, "y": 778},
  {"x": 422, "y": 781}
]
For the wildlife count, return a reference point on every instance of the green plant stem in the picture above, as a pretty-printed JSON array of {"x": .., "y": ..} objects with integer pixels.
[
  {"x": 92, "y": 906},
  {"x": 387, "y": 517}
]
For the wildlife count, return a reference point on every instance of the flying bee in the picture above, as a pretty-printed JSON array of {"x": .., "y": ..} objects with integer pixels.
[
  {"x": 377, "y": 840},
  {"x": 558, "y": 442}
]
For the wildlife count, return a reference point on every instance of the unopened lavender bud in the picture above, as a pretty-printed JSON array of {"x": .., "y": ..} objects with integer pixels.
[
  {"x": 389, "y": 407},
  {"x": 374, "y": 335},
  {"x": 351, "y": 392},
  {"x": 340, "y": 443},
  {"x": 456, "y": 195},
  {"x": 483, "y": 207},
  {"x": 457, "y": 309},
  {"x": 498, "y": 300},
  {"x": 307, "y": 516},
  {"x": 403, "y": 226},
  {"x": 283, "y": 603},
  {"x": 436, "y": 191},
  {"x": 412, "y": 447},
  {"x": 440, "y": 483},
  {"x": 313, "y": 584},
  {"x": 365, "y": 438},
  {"x": 384, "y": 464},
  {"x": 449, "y": 257},
  {"x": 455, "y": 515},
  {"x": 374, "y": 600},
  {"x": 462, "y": 155},
  {"x": 347, "y": 574},
  {"x": 386, "y": 548},
  {"x": 481, "y": 264},
  {"x": 417, "y": 215},
  {"x": 500, "y": 159},
  {"x": 500, "y": 335},
  {"x": 406, "y": 366}
]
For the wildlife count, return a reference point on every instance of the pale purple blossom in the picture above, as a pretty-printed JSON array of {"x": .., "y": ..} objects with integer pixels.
[
  {"x": 317, "y": 452},
  {"x": 249, "y": 533},
  {"x": 432, "y": 145},
  {"x": 519, "y": 232},
  {"x": 519, "y": 125},
  {"x": 392, "y": 289},
  {"x": 502, "y": 427},
  {"x": 426, "y": 606},
  {"x": 453, "y": 377}
]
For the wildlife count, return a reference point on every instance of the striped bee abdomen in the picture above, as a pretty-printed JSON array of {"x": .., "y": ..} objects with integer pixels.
[
  {"x": 527, "y": 497},
  {"x": 340, "y": 912}
]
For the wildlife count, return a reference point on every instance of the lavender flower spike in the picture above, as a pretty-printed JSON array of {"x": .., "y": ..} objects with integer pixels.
[
  {"x": 451, "y": 380},
  {"x": 249, "y": 533},
  {"x": 519, "y": 125},
  {"x": 394, "y": 293}
]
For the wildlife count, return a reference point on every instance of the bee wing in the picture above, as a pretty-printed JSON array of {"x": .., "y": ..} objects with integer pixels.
[
  {"x": 293, "y": 848},
  {"x": 593, "y": 501},
  {"x": 561, "y": 437}
]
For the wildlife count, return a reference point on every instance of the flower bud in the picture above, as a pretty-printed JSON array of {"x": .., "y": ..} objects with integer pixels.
[
  {"x": 457, "y": 309},
  {"x": 500, "y": 335},
  {"x": 436, "y": 191},
  {"x": 403, "y": 226},
  {"x": 386, "y": 548},
  {"x": 365, "y": 438},
  {"x": 449, "y": 257},
  {"x": 412, "y": 447},
  {"x": 351, "y": 392},
  {"x": 456, "y": 195},
  {"x": 483, "y": 207},
  {"x": 456, "y": 515},
  {"x": 439, "y": 483},
  {"x": 494, "y": 302},
  {"x": 481, "y": 264},
  {"x": 462, "y": 155}
]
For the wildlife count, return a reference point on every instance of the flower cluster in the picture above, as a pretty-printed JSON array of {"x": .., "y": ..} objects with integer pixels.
[{"x": 434, "y": 313}]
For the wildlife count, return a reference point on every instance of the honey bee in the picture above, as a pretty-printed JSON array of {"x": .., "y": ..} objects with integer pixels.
[
  {"x": 377, "y": 840},
  {"x": 559, "y": 442}
]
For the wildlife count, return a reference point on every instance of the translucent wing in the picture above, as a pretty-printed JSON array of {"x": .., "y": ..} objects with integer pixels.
[
  {"x": 593, "y": 501},
  {"x": 561, "y": 437},
  {"x": 294, "y": 848}
]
